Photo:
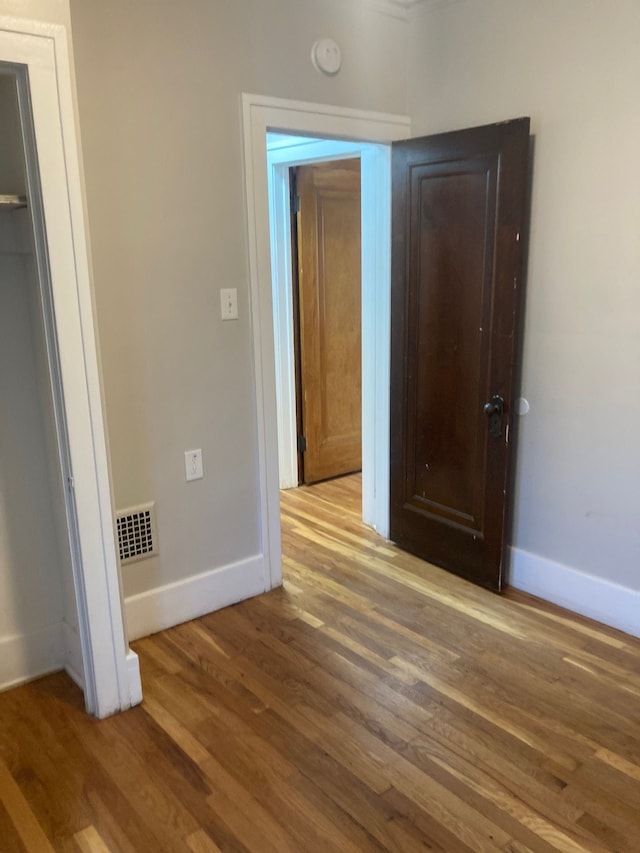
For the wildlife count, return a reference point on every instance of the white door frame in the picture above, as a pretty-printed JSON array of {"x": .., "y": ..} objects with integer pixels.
[
  {"x": 262, "y": 114},
  {"x": 111, "y": 672}
]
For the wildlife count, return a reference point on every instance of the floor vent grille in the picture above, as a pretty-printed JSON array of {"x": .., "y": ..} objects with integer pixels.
[{"x": 137, "y": 533}]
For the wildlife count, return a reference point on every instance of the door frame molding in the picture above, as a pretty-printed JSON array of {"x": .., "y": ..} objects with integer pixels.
[
  {"x": 111, "y": 672},
  {"x": 260, "y": 115}
]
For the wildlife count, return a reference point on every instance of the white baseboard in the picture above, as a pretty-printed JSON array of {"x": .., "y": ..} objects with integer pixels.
[
  {"x": 24, "y": 657},
  {"x": 181, "y": 601},
  {"x": 597, "y": 598},
  {"x": 133, "y": 678},
  {"x": 74, "y": 666}
]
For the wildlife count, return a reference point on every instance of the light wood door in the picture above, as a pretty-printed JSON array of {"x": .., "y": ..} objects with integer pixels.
[
  {"x": 458, "y": 221},
  {"x": 329, "y": 288}
]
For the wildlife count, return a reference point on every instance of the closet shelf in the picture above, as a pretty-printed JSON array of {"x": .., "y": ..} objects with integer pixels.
[{"x": 12, "y": 202}]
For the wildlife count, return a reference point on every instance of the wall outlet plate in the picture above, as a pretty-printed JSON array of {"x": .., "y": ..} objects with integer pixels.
[
  {"x": 193, "y": 465},
  {"x": 229, "y": 303}
]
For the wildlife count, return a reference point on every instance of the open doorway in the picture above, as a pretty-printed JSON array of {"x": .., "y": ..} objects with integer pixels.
[
  {"x": 38, "y": 611},
  {"x": 416, "y": 162},
  {"x": 376, "y": 131},
  {"x": 316, "y": 222},
  {"x": 284, "y": 153}
]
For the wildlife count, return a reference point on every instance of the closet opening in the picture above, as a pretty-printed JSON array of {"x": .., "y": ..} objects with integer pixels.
[{"x": 39, "y": 624}]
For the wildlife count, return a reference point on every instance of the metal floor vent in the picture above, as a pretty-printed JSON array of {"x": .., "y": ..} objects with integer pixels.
[{"x": 137, "y": 533}]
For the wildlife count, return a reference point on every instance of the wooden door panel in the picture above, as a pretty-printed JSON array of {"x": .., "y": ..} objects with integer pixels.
[
  {"x": 330, "y": 317},
  {"x": 458, "y": 213},
  {"x": 451, "y": 206}
]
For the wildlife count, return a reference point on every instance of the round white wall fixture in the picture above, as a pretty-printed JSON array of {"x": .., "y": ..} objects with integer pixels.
[
  {"x": 522, "y": 406},
  {"x": 326, "y": 57}
]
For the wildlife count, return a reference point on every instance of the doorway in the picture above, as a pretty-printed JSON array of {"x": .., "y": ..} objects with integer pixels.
[
  {"x": 38, "y": 622},
  {"x": 263, "y": 115},
  {"x": 83, "y": 625},
  {"x": 321, "y": 399},
  {"x": 284, "y": 151}
]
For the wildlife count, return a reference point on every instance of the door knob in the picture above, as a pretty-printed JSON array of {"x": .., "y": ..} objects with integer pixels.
[{"x": 494, "y": 409}]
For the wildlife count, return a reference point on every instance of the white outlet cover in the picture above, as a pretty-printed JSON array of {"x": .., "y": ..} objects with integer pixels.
[
  {"x": 193, "y": 465},
  {"x": 229, "y": 303}
]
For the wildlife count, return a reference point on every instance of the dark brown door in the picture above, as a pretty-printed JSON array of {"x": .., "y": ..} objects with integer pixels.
[
  {"x": 329, "y": 288},
  {"x": 459, "y": 207}
]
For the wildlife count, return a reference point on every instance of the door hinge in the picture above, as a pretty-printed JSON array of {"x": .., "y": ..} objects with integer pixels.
[
  {"x": 70, "y": 482},
  {"x": 302, "y": 444},
  {"x": 295, "y": 204}
]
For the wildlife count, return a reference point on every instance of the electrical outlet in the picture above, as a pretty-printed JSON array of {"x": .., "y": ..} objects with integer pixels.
[
  {"x": 229, "y": 303},
  {"x": 193, "y": 465}
]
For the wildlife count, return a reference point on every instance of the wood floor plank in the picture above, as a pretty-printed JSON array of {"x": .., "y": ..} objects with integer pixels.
[
  {"x": 44, "y": 762},
  {"x": 89, "y": 841},
  {"x": 24, "y": 821},
  {"x": 498, "y": 802},
  {"x": 9, "y": 833},
  {"x": 200, "y": 842},
  {"x": 311, "y": 818}
]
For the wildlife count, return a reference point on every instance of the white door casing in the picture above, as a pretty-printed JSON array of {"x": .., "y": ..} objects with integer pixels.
[
  {"x": 38, "y": 54},
  {"x": 261, "y": 115}
]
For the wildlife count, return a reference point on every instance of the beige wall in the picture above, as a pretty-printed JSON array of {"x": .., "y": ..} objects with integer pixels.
[
  {"x": 49, "y": 11},
  {"x": 159, "y": 87},
  {"x": 574, "y": 67}
]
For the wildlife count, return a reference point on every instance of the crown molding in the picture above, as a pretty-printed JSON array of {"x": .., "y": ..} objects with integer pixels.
[
  {"x": 402, "y": 9},
  {"x": 417, "y": 6}
]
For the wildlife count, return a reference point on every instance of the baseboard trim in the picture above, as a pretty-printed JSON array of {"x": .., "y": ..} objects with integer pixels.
[
  {"x": 74, "y": 666},
  {"x": 24, "y": 657},
  {"x": 133, "y": 678},
  {"x": 184, "y": 600},
  {"x": 597, "y": 598}
]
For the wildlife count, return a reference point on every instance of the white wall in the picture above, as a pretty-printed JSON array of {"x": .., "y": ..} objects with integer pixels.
[
  {"x": 159, "y": 88},
  {"x": 574, "y": 67}
]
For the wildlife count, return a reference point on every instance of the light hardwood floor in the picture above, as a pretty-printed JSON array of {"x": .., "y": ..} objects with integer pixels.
[{"x": 372, "y": 703}]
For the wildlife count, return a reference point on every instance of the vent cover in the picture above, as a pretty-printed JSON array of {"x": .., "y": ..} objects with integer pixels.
[{"x": 137, "y": 533}]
